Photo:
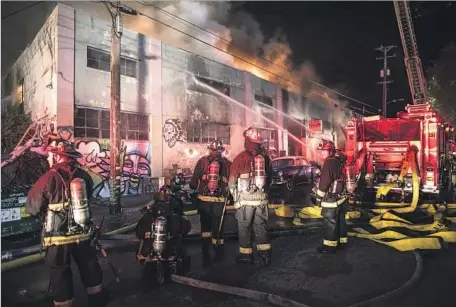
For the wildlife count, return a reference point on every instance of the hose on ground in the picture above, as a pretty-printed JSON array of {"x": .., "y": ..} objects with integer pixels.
[
  {"x": 381, "y": 300},
  {"x": 246, "y": 293},
  {"x": 281, "y": 301},
  {"x": 252, "y": 294}
]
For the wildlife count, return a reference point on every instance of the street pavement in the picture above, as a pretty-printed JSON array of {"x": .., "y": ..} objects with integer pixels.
[{"x": 363, "y": 271}]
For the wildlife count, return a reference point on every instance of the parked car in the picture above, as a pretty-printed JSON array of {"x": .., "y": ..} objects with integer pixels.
[{"x": 293, "y": 171}]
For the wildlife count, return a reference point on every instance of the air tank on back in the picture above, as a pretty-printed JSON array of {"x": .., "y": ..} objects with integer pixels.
[
  {"x": 213, "y": 176},
  {"x": 259, "y": 171},
  {"x": 80, "y": 202},
  {"x": 160, "y": 235}
]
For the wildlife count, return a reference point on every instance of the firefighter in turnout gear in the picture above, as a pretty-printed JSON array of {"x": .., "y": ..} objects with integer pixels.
[
  {"x": 61, "y": 199},
  {"x": 250, "y": 178},
  {"x": 210, "y": 179},
  {"x": 330, "y": 195}
]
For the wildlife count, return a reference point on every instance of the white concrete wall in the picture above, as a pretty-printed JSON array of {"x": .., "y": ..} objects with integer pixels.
[
  {"x": 138, "y": 95},
  {"x": 93, "y": 86},
  {"x": 182, "y": 101},
  {"x": 37, "y": 66},
  {"x": 65, "y": 72}
]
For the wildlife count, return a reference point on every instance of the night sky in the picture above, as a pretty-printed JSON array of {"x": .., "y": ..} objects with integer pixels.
[{"x": 339, "y": 38}]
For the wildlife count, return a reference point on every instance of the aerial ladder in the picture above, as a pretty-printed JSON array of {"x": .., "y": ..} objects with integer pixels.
[{"x": 411, "y": 58}]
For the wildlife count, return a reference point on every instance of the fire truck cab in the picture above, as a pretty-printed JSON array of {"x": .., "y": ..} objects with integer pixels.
[{"x": 377, "y": 148}]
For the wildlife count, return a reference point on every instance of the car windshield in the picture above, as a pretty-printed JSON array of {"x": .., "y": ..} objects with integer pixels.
[{"x": 283, "y": 162}]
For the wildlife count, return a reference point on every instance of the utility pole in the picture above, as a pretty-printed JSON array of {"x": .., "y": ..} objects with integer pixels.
[
  {"x": 385, "y": 72},
  {"x": 114, "y": 135},
  {"x": 116, "y": 152}
]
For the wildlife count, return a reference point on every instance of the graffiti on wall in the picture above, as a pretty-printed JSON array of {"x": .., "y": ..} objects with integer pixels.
[
  {"x": 184, "y": 160},
  {"x": 135, "y": 171},
  {"x": 173, "y": 132}
]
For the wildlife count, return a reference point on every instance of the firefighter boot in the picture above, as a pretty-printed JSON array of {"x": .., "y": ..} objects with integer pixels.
[
  {"x": 219, "y": 253},
  {"x": 245, "y": 258},
  {"x": 324, "y": 249},
  {"x": 265, "y": 256}
]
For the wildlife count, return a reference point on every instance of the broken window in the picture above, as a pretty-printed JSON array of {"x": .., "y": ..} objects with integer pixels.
[
  {"x": 219, "y": 86},
  {"x": 264, "y": 99}
]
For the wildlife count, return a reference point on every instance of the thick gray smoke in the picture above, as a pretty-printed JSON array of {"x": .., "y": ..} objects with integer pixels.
[{"x": 242, "y": 36}]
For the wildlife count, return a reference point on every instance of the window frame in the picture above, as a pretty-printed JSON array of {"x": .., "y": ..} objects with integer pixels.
[
  {"x": 263, "y": 98},
  {"x": 102, "y": 132},
  {"x": 123, "y": 59},
  {"x": 200, "y": 138}
]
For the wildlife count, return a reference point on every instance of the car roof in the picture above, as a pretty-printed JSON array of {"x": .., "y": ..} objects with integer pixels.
[{"x": 290, "y": 157}]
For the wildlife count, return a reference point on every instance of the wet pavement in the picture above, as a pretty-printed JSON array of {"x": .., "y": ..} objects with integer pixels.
[{"x": 363, "y": 271}]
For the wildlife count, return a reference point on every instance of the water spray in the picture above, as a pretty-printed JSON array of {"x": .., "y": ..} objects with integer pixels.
[{"x": 213, "y": 90}]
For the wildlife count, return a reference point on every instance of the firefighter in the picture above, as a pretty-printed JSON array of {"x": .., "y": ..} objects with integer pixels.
[
  {"x": 210, "y": 179},
  {"x": 250, "y": 178},
  {"x": 60, "y": 198},
  {"x": 330, "y": 196}
]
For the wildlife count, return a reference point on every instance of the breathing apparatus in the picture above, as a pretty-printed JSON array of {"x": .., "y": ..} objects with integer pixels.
[
  {"x": 212, "y": 174},
  {"x": 76, "y": 207},
  {"x": 256, "y": 180}
]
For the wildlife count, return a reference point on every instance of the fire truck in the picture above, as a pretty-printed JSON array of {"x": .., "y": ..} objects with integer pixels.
[
  {"x": 383, "y": 151},
  {"x": 414, "y": 152}
]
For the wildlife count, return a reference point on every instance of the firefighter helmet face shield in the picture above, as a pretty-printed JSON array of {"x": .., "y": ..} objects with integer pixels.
[
  {"x": 253, "y": 135},
  {"x": 216, "y": 146},
  {"x": 327, "y": 145}
]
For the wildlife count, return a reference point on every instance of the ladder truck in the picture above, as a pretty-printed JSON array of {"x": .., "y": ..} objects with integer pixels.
[
  {"x": 411, "y": 58},
  {"x": 412, "y": 154}
]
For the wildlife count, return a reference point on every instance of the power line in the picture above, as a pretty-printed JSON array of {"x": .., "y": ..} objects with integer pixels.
[
  {"x": 230, "y": 42},
  {"x": 21, "y": 10},
  {"x": 248, "y": 62}
]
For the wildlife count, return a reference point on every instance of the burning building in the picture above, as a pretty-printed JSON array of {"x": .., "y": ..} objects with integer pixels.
[{"x": 173, "y": 102}]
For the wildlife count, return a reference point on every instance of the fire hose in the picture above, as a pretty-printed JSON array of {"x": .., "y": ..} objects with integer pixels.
[
  {"x": 387, "y": 220},
  {"x": 281, "y": 301},
  {"x": 272, "y": 298},
  {"x": 276, "y": 299}
]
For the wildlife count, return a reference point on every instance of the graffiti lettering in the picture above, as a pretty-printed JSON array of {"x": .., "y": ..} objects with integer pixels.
[
  {"x": 136, "y": 166},
  {"x": 173, "y": 132}
]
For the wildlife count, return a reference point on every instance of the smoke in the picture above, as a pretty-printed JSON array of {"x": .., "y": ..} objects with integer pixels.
[
  {"x": 240, "y": 35},
  {"x": 237, "y": 32}
]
